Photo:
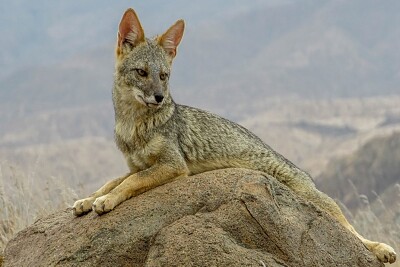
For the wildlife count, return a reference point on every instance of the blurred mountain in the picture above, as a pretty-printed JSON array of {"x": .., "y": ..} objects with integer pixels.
[{"x": 61, "y": 54}]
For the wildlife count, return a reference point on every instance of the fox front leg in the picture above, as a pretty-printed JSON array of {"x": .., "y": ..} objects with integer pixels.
[
  {"x": 84, "y": 206},
  {"x": 137, "y": 183}
]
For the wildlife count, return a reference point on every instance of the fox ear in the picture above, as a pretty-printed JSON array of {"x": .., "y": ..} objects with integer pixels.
[
  {"x": 130, "y": 31},
  {"x": 172, "y": 37}
]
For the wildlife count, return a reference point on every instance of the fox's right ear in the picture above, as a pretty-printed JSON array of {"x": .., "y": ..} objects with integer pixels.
[
  {"x": 130, "y": 31},
  {"x": 172, "y": 37}
]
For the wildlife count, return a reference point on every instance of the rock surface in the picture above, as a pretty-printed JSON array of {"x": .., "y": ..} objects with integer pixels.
[{"x": 231, "y": 217}]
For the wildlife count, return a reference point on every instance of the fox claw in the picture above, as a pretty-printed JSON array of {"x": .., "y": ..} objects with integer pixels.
[
  {"x": 104, "y": 204},
  {"x": 82, "y": 206},
  {"x": 385, "y": 253}
]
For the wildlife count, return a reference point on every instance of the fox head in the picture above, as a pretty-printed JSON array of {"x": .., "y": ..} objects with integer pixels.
[{"x": 143, "y": 65}]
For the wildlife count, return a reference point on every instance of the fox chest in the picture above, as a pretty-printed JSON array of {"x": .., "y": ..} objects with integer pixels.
[{"x": 140, "y": 150}]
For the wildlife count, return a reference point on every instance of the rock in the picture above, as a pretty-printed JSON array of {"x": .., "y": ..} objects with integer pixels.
[{"x": 231, "y": 217}]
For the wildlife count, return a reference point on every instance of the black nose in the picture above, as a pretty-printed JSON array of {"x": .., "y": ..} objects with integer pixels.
[{"x": 159, "y": 98}]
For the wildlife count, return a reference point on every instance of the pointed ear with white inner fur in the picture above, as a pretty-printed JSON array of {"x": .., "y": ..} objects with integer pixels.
[
  {"x": 172, "y": 37},
  {"x": 130, "y": 30}
]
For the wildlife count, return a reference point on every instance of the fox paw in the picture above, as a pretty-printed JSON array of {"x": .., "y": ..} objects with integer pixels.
[
  {"x": 104, "y": 204},
  {"x": 82, "y": 206},
  {"x": 385, "y": 253}
]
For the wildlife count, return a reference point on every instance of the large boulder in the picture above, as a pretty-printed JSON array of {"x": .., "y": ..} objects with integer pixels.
[{"x": 231, "y": 217}]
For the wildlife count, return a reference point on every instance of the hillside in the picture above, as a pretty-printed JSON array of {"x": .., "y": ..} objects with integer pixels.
[{"x": 373, "y": 170}]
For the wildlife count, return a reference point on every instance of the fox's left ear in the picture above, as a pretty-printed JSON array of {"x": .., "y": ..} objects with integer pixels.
[
  {"x": 172, "y": 37},
  {"x": 130, "y": 31}
]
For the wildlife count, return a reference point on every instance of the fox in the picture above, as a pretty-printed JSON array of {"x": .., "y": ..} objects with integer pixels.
[{"x": 162, "y": 141}]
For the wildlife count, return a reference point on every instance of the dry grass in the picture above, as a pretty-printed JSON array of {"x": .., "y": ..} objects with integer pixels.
[
  {"x": 24, "y": 198},
  {"x": 370, "y": 226},
  {"x": 376, "y": 222}
]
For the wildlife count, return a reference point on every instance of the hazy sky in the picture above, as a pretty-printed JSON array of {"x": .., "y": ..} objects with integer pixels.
[{"x": 33, "y": 29}]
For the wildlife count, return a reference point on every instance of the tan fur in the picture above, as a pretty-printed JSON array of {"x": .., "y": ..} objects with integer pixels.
[{"x": 162, "y": 140}]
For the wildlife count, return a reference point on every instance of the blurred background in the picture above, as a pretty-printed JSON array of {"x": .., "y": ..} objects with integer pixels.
[{"x": 318, "y": 80}]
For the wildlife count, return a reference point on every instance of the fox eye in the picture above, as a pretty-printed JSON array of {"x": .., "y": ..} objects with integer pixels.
[
  {"x": 163, "y": 76},
  {"x": 141, "y": 72}
]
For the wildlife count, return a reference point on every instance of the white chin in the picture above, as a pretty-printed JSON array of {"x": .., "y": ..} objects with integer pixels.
[{"x": 150, "y": 105}]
